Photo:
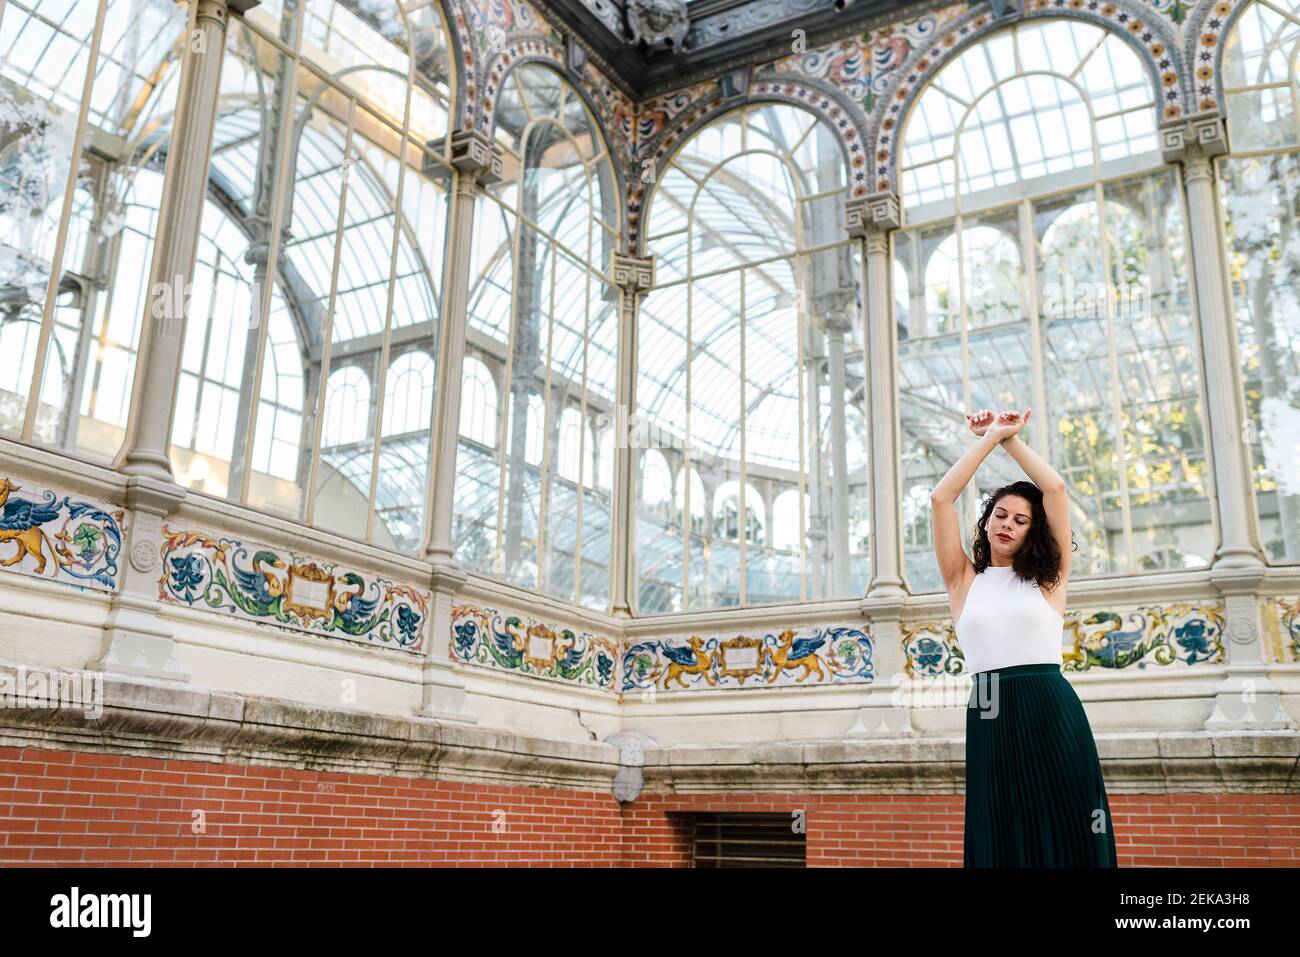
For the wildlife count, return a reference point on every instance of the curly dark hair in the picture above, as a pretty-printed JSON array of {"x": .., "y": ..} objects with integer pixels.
[{"x": 1039, "y": 558}]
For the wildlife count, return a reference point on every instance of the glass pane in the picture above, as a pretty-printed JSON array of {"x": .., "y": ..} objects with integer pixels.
[
  {"x": 659, "y": 435},
  {"x": 86, "y": 380},
  {"x": 931, "y": 385},
  {"x": 713, "y": 433},
  {"x": 1078, "y": 376},
  {"x": 1260, "y": 198},
  {"x": 215, "y": 403},
  {"x": 1259, "y": 79},
  {"x": 531, "y": 508},
  {"x": 1159, "y": 377},
  {"x": 479, "y": 462},
  {"x": 357, "y": 373}
]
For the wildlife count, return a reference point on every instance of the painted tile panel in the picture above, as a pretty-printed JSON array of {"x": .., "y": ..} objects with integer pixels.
[
  {"x": 1185, "y": 633},
  {"x": 47, "y": 533},
  {"x": 274, "y": 586},
  {"x": 511, "y": 642},
  {"x": 803, "y": 656}
]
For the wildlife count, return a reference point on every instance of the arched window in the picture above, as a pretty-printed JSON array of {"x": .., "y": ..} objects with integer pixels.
[
  {"x": 726, "y": 513},
  {"x": 347, "y": 400},
  {"x": 571, "y": 446},
  {"x": 1050, "y": 236},
  {"x": 785, "y": 519},
  {"x": 1260, "y": 192},
  {"x": 543, "y": 299},
  {"x": 1036, "y": 107},
  {"x": 408, "y": 406},
  {"x": 688, "y": 495},
  {"x": 656, "y": 481},
  {"x": 327, "y": 258},
  {"x": 478, "y": 404},
  {"x": 739, "y": 343}
]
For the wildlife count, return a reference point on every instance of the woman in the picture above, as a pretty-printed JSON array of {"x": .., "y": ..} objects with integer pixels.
[{"x": 1035, "y": 796}]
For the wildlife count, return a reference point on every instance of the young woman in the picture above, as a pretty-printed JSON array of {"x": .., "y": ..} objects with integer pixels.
[{"x": 1035, "y": 796}]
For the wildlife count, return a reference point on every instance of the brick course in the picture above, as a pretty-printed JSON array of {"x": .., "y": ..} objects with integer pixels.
[{"x": 76, "y": 809}]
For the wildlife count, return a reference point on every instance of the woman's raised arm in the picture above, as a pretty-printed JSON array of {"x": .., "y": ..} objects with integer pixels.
[
  {"x": 1056, "y": 500},
  {"x": 947, "y": 535}
]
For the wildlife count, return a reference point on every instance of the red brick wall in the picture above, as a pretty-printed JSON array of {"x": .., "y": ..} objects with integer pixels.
[{"x": 68, "y": 808}]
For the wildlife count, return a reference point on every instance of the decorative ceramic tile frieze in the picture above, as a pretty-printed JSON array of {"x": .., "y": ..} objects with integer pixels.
[
  {"x": 278, "y": 587},
  {"x": 809, "y": 655},
  {"x": 50, "y": 534},
  {"x": 1282, "y": 625},
  {"x": 1184, "y": 633},
  {"x": 930, "y": 649},
  {"x": 1149, "y": 635},
  {"x": 485, "y": 636}
]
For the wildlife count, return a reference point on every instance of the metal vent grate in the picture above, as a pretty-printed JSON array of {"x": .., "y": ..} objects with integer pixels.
[{"x": 746, "y": 840}]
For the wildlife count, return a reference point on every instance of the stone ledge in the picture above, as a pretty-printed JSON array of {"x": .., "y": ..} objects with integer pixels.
[
  {"x": 164, "y": 721},
  {"x": 1134, "y": 762}
]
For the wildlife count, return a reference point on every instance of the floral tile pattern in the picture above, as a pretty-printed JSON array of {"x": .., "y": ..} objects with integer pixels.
[
  {"x": 1185, "y": 633},
  {"x": 805, "y": 656},
  {"x": 50, "y": 534},
  {"x": 270, "y": 585},
  {"x": 485, "y": 636}
]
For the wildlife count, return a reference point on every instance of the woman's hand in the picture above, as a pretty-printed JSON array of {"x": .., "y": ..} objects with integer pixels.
[
  {"x": 1008, "y": 424},
  {"x": 979, "y": 421}
]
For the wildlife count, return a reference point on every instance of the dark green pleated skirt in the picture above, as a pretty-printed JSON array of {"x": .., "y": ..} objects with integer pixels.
[{"x": 1035, "y": 796}]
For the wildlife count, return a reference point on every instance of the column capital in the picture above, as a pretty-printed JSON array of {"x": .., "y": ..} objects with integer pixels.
[
  {"x": 1202, "y": 135},
  {"x": 834, "y": 319},
  {"x": 633, "y": 274},
  {"x": 473, "y": 154},
  {"x": 878, "y": 212}
]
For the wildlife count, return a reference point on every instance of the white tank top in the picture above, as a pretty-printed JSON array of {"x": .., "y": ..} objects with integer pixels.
[{"x": 1006, "y": 621}]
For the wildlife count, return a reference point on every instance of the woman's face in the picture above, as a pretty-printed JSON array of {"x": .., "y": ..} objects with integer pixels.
[{"x": 1008, "y": 525}]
